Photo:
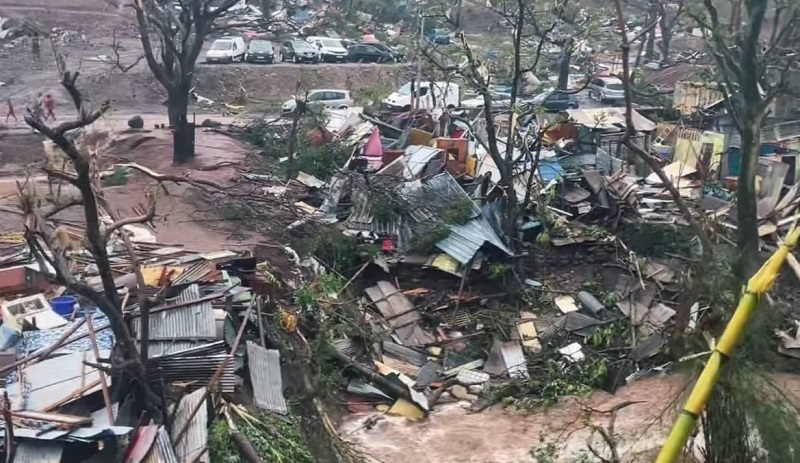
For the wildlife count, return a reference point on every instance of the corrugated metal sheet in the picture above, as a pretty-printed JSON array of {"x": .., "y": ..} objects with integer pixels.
[
  {"x": 648, "y": 348},
  {"x": 780, "y": 132},
  {"x": 159, "y": 348},
  {"x": 359, "y": 387},
  {"x": 514, "y": 359},
  {"x": 417, "y": 157},
  {"x": 465, "y": 240},
  {"x": 266, "y": 378},
  {"x": 577, "y": 321},
  {"x": 195, "y": 321},
  {"x": 195, "y": 439},
  {"x": 161, "y": 451},
  {"x": 195, "y": 366},
  {"x": 36, "y": 451},
  {"x": 405, "y": 353}
]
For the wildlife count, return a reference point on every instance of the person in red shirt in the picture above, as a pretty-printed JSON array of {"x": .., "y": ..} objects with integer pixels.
[
  {"x": 49, "y": 104},
  {"x": 11, "y": 112}
]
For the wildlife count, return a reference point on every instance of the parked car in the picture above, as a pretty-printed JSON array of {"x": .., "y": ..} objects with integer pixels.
[
  {"x": 330, "y": 49},
  {"x": 605, "y": 89},
  {"x": 429, "y": 95},
  {"x": 329, "y": 98},
  {"x": 499, "y": 101},
  {"x": 440, "y": 36},
  {"x": 368, "y": 53},
  {"x": 300, "y": 51},
  {"x": 261, "y": 51},
  {"x": 396, "y": 54},
  {"x": 226, "y": 50},
  {"x": 555, "y": 101}
]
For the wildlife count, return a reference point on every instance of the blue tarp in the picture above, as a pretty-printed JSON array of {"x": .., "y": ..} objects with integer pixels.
[{"x": 550, "y": 170}]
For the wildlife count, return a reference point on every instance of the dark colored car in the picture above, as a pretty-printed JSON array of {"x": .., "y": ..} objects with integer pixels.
[
  {"x": 555, "y": 101},
  {"x": 300, "y": 51},
  {"x": 398, "y": 57},
  {"x": 368, "y": 53},
  {"x": 260, "y": 51}
]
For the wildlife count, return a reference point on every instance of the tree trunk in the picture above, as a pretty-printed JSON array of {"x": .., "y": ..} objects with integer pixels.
[
  {"x": 563, "y": 68},
  {"x": 747, "y": 213},
  {"x": 650, "y": 47},
  {"x": 666, "y": 39},
  {"x": 182, "y": 132}
]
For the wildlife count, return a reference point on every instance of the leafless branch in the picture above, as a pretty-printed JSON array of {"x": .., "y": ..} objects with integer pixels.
[{"x": 117, "y": 62}]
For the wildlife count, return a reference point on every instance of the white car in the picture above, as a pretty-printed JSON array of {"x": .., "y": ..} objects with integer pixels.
[
  {"x": 605, "y": 89},
  {"x": 330, "y": 49},
  {"x": 329, "y": 98},
  {"x": 226, "y": 50},
  {"x": 499, "y": 101}
]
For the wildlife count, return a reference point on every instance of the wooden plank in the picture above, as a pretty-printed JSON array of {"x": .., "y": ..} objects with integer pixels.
[{"x": 52, "y": 417}]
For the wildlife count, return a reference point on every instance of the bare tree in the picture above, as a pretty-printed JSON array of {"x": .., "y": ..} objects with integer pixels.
[
  {"x": 666, "y": 15},
  {"x": 179, "y": 30},
  {"x": 48, "y": 248},
  {"x": 513, "y": 155},
  {"x": 755, "y": 64}
]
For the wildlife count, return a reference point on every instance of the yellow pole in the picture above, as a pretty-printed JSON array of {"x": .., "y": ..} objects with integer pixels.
[{"x": 759, "y": 284}]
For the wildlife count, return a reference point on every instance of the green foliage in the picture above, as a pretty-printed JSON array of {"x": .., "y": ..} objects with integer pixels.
[
  {"x": 458, "y": 213},
  {"x": 340, "y": 252},
  {"x": 425, "y": 243},
  {"x": 612, "y": 334},
  {"x": 276, "y": 440},
  {"x": 498, "y": 270},
  {"x": 385, "y": 208},
  {"x": 118, "y": 178},
  {"x": 372, "y": 96},
  {"x": 657, "y": 240}
]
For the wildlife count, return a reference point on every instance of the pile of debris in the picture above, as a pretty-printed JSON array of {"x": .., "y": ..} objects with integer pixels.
[{"x": 62, "y": 391}]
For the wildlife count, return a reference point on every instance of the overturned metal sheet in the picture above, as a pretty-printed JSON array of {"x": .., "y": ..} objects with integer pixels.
[
  {"x": 359, "y": 387},
  {"x": 36, "y": 451},
  {"x": 193, "y": 443},
  {"x": 648, "y": 348},
  {"x": 514, "y": 358},
  {"x": 429, "y": 373},
  {"x": 548, "y": 328},
  {"x": 464, "y": 241},
  {"x": 405, "y": 353},
  {"x": 266, "y": 378},
  {"x": 195, "y": 366},
  {"x": 578, "y": 321},
  {"x": 193, "y": 322},
  {"x": 162, "y": 450},
  {"x": 400, "y": 313}
]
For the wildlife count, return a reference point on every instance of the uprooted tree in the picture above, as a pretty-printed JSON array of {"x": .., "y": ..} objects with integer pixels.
[
  {"x": 756, "y": 62},
  {"x": 172, "y": 35}
]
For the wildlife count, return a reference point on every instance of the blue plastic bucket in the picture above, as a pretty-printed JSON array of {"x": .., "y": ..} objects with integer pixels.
[{"x": 63, "y": 305}]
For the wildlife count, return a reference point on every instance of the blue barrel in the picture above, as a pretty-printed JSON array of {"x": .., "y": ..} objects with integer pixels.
[{"x": 63, "y": 305}]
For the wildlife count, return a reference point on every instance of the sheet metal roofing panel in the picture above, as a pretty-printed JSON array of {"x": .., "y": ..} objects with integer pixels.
[
  {"x": 465, "y": 240},
  {"x": 162, "y": 450},
  {"x": 266, "y": 378},
  {"x": 33, "y": 451},
  {"x": 514, "y": 359},
  {"x": 53, "y": 380},
  {"x": 418, "y": 156},
  {"x": 193, "y": 443},
  {"x": 159, "y": 348},
  {"x": 195, "y": 321},
  {"x": 196, "y": 366}
]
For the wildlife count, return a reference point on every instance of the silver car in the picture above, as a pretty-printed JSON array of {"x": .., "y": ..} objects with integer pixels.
[
  {"x": 329, "y": 98},
  {"x": 605, "y": 89}
]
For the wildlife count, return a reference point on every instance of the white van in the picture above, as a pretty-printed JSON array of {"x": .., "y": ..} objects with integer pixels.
[
  {"x": 226, "y": 50},
  {"x": 329, "y": 48},
  {"x": 432, "y": 94}
]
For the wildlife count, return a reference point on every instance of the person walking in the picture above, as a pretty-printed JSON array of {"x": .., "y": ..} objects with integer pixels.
[
  {"x": 11, "y": 112},
  {"x": 49, "y": 104}
]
